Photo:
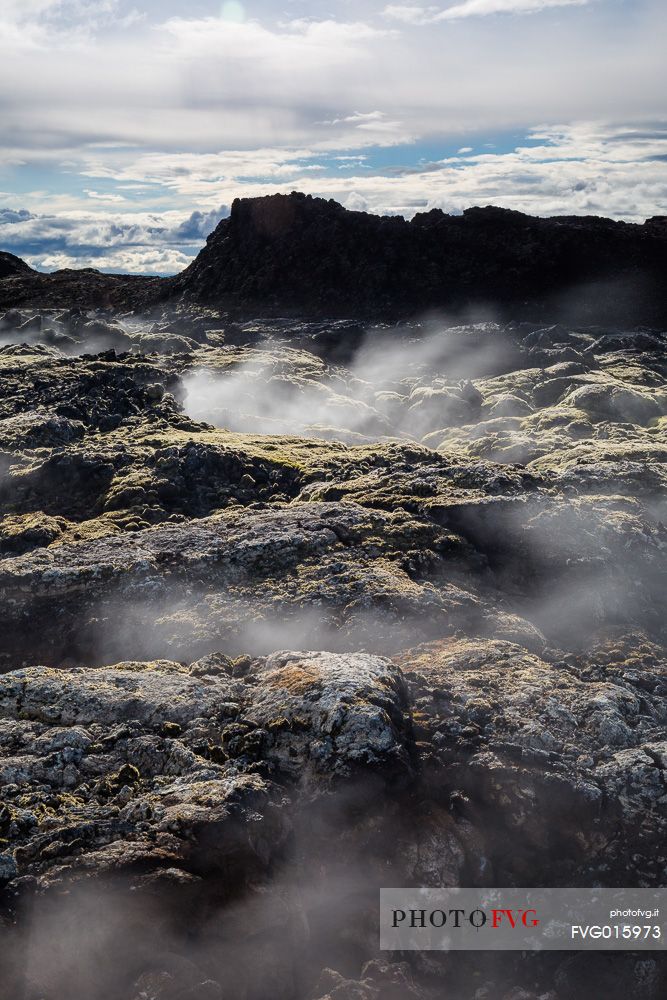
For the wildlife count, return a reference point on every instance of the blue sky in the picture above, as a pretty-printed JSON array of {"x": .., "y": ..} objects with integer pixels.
[{"x": 129, "y": 126}]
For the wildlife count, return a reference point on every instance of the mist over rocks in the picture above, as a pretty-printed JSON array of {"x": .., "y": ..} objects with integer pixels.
[
  {"x": 549, "y": 751},
  {"x": 296, "y": 609}
]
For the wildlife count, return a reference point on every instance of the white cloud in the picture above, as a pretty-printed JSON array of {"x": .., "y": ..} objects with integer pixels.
[
  {"x": 584, "y": 169},
  {"x": 292, "y": 46},
  {"x": 474, "y": 8},
  {"x": 145, "y": 261},
  {"x": 102, "y": 196},
  {"x": 371, "y": 121},
  {"x": 191, "y": 111},
  {"x": 359, "y": 118},
  {"x": 197, "y": 84},
  {"x": 25, "y": 10},
  {"x": 410, "y": 14},
  {"x": 71, "y": 24},
  {"x": 356, "y": 202},
  {"x": 155, "y": 243},
  {"x": 202, "y": 174}
]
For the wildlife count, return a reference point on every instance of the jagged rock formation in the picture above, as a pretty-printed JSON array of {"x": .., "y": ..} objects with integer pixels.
[
  {"x": 295, "y": 610},
  {"x": 71, "y": 287},
  {"x": 305, "y": 255},
  {"x": 11, "y": 266}
]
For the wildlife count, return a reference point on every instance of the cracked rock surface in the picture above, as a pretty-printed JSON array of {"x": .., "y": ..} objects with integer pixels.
[{"x": 295, "y": 610}]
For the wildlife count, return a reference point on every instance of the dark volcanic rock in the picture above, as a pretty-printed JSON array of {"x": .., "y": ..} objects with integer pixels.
[
  {"x": 11, "y": 266},
  {"x": 295, "y": 253},
  {"x": 85, "y": 287},
  {"x": 299, "y": 255},
  {"x": 292, "y": 611}
]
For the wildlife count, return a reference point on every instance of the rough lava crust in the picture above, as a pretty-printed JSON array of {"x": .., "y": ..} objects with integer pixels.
[{"x": 295, "y": 608}]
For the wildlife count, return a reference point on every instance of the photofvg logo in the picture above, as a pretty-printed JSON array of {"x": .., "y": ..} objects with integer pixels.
[
  {"x": 476, "y": 918},
  {"x": 529, "y": 919}
]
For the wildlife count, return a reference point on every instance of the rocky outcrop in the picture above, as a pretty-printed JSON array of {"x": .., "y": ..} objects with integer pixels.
[
  {"x": 11, "y": 266},
  {"x": 303, "y": 255},
  {"x": 84, "y": 288},
  {"x": 294, "y": 611},
  {"x": 145, "y": 762},
  {"x": 213, "y": 791},
  {"x": 566, "y": 755},
  {"x": 172, "y": 780},
  {"x": 316, "y": 569},
  {"x": 296, "y": 255}
]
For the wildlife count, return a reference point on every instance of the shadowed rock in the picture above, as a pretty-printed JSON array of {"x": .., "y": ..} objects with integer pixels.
[
  {"x": 292, "y": 611},
  {"x": 304, "y": 255},
  {"x": 299, "y": 255}
]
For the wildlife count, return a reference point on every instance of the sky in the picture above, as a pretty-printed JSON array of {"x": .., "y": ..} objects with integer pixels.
[{"x": 128, "y": 127}]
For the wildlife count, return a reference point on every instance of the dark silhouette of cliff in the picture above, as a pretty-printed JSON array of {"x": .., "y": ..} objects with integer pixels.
[
  {"x": 299, "y": 255},
  {"x": 295, "y": 253},
  {"x": 11, "y": 266}
]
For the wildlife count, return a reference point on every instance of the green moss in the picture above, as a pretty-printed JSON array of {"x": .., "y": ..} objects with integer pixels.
[{"x": 111, "y": 784}]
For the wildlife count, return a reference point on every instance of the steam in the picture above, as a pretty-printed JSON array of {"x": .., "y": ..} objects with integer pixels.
[
  {"x": 218, "y": 934},
  {"x": 185, "y": 624},
  {"x": 572, "y": 565},
  {"x": 400, "y": 383},
  {"x": 576, "y": 569},
  {"x": 75, "y": 333},
  {"x": 251, "y": 930},
  {"x": 60, "y": 333}
]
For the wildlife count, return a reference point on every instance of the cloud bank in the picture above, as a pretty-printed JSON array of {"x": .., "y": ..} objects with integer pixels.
[
  {"x": 474, "y": 8},
  {"x": 120, "y": 118}
]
